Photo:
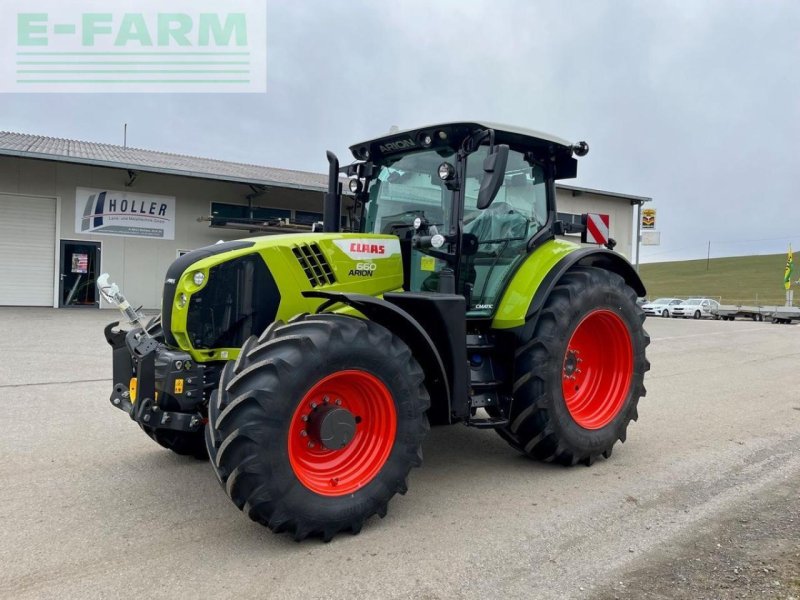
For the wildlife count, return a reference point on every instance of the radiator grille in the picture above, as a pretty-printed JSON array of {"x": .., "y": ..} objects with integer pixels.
[{"x": 314, "y": 264}]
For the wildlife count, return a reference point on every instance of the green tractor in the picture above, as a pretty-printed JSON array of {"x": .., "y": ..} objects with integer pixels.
[{"x": 309, "y": 367}]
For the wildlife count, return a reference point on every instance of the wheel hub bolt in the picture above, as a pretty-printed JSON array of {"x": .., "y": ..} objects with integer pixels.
[
  {"x": 310, "y": 444},
  {"x": 314, "y": 405},
  {"x": 338, "y": 402},
  {"x": 303, "y": 433}
]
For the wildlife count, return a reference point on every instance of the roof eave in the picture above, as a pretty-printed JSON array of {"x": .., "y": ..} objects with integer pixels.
[{"x": 159, "y": 170}]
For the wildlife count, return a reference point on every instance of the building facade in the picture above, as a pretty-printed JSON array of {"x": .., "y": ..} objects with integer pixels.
[{"x": 70, "y": 211}]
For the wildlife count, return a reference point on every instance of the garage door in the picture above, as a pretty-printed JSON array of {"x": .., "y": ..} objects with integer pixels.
[{"x": 27, "y": 250}]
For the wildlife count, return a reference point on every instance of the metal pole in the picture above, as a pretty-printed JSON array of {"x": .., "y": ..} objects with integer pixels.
[
  {"x": 708, "y": 256},
  {"x": 125, "y": 136},
  {"x": 638, "y": 231}
]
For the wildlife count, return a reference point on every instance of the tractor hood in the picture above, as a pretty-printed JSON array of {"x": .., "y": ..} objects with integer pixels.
[{"x": 216, "y": 297}]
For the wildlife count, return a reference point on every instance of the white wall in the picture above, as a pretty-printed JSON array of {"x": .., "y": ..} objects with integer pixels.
[
  {"x": 621, "y": 214},
  {"x": 138, "y": 265}
]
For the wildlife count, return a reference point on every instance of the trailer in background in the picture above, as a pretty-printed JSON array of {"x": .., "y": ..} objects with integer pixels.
[{"x": 774, "y": 314}]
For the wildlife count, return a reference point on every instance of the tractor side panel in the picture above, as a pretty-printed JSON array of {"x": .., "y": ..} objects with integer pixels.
[{"x": 514, "y": 303}]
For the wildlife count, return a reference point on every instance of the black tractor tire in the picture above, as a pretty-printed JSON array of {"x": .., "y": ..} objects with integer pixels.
[
  {"x": 697, "y": 314},
  {"x": 277, "y": 377},
  {"x": 180, "y": 442},
  {"x": 541, "y": 423}
]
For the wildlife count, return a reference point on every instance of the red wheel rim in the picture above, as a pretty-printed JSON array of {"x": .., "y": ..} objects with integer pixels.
[
  {"x": 598, "y": 368},
  {"x": 343, "y": 471}
]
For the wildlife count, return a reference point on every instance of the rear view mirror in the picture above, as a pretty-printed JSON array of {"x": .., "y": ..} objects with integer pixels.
[{"x": 494, "y": 168}]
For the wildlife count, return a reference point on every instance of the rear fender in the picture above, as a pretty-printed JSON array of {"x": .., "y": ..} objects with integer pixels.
[
  {"x": 586, "y": 257},
  {"x": 532, "y": 283}
]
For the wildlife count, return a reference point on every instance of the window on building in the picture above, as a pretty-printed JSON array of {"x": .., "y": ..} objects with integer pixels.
[
  {"x": 304, "y": 217},
  {"x": 222, "y": 212},
  {"x": 569, "y": 218},
  {"x": 271, "y": 213}
]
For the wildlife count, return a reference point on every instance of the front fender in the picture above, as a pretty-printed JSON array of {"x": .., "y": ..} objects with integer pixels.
[{"x": 402, "y": 324}]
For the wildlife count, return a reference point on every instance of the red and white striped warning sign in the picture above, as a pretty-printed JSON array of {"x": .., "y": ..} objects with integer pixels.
[{"x": 596, "y": 228}]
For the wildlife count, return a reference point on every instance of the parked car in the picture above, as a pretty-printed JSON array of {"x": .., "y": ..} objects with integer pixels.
[
  {"x": 695, "y": 308},
  {"x": 661, "y": 307}
]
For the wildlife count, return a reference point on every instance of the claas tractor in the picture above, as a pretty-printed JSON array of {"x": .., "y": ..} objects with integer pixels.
[{"x": 308, "y": 367}]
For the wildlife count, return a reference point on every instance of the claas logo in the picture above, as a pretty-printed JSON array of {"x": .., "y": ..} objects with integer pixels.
[
  {"x": 649, "y": 218},
  {"x": 367, "y": 248}
]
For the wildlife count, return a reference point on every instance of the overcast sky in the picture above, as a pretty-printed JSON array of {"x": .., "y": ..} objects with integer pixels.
[{"x": 693, "y": 103}]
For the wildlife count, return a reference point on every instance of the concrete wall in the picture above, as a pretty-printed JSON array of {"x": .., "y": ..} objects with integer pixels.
[{"x": 138, "y": 265}]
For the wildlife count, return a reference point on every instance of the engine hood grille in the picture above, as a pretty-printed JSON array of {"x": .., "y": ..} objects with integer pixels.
[{"x": 314, "y": 264}]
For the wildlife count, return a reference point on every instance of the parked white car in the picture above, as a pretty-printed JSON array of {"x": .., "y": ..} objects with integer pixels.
[
  {"x": 661, "y": 307},
  {"x": 695, "y": 308}
]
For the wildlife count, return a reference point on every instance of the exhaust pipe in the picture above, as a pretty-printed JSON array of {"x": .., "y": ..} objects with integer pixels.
[{"x": 333, "y": 198}]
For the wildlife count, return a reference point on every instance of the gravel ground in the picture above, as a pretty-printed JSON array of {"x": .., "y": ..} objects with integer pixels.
[
  {"x": 91, "y": 508},
  {"x": 751, "y": 551}
]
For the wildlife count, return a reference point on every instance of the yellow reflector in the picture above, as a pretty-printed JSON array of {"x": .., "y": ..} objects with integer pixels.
[
  {"x": 179, "y": 386},
  {"x": 132, "y": 389}
]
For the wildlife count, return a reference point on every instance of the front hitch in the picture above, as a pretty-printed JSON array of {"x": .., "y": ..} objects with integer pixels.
[{"x": 143, "y": 368}]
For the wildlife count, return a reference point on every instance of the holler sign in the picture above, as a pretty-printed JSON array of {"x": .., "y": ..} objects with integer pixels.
[{"x": 109, "y": 212}]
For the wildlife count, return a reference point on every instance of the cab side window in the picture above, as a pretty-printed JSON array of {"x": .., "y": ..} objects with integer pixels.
[{"x": 520, "y": 208}]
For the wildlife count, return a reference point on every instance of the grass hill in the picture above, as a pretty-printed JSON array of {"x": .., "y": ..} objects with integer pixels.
[{"x": 737, "y": 280}]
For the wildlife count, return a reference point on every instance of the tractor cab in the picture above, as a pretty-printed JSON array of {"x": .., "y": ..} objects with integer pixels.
[{"x": 467, "y": 200}]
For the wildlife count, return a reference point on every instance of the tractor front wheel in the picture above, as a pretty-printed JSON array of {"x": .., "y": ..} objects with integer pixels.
[
  {"x": 180, "y": 442},
  {"x": 579, "y": 370},
  {"x": 317, "y": 424}
]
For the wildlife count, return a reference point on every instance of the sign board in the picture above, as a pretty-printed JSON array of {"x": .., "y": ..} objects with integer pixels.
[
  {"x": 109, "y": 212},
  {"x": 597, "y": 227},
  {"x": 80, "y": 263},
  {"x": 648, "y": 218},
  {"x": 651, "y": 238}
]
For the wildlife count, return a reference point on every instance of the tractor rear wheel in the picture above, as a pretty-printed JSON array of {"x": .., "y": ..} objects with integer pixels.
[
  {"x": 579, "y": 371},
  {"x": 317, "y": 424}
]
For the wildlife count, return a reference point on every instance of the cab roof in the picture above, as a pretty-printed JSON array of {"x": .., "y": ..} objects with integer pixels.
[{"x": 453, "y": 133}]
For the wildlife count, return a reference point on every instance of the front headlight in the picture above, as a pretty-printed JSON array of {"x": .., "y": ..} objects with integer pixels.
[
  {"x": 181, "y": 302},
  {"x": 199, "y": 278}
]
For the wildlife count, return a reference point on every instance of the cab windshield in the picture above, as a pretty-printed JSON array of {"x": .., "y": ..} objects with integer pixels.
[{"x": 408, "y": 187}]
